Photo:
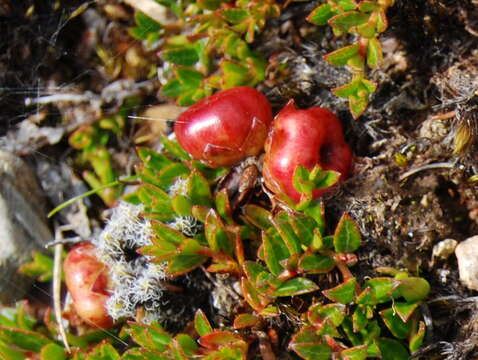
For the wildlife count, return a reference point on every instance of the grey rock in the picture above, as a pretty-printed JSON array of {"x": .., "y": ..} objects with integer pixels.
[{"x": 23, "y": 224}]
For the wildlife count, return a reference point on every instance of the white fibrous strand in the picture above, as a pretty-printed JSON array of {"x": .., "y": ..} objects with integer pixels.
[{"x": 135, "y": 281}]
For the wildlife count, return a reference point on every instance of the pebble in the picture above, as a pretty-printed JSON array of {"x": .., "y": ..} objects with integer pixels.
[
  {"x": 23, "y": 224},
  {"x": 467, "y": 254}
]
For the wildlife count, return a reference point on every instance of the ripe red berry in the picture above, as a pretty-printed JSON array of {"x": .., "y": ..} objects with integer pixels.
[
  {"x": 87, "y": 281},
  {"x": 308, "y": 138},
  {"x": 225, "y": 127}
]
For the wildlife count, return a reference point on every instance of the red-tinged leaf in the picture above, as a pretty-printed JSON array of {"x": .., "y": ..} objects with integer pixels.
[
  {"x": 245, "y": 320},
  {"x": 151, "y": 337},
  {"x": 357, "y": 105},
  {"x": 103, "y": 351},
  {"x": 309, "y": 346},
  {"x": 23, "y": 339},
  {"x": 341, "y": 56},
  {"x": 270, "y": 311},
  {"x": 374, "y": 53},
  {"x": 201, "y": 323},
  {"x": 368, "y": 6},
  {"x": 343, "y": 293},
  {"x": 348, "y": 19},
  {"x": 274, "y": 252},
  {"x": 321, "y": 14},
  {"x": 382, "y": 22},
  {"x": 296, "y": 286},
  {"x": 416, "y": 339},
  {"x": 414, "y": 289},
  {"x": 216, "y": 235},
  {"x": 285, "y": 230},
  {"x": 253, "y": 269},
  {"x": 223, "y": 206},
  {"x": 316, "y": 263},
  {"x": 216, "y": 339},
  {"x": 405, "y": 310},
  {"x": 354, "y": 353},
  {"x": 394, "y": 323},
  {"x": 392, "y": 349},
  {"x": 224, "y": 266},
  {"x": 335, "y": 313},
  {"x": 200, "y": 212},
  {"x": 258, "y": 216},
  {"x": 250, "y": 294},
  {"x": 347, "y": 236},
  {"x": 381, "y": 290}
]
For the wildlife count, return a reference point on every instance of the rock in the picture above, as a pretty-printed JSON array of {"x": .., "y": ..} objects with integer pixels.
[
  {"x": 467, "y": 254},
  {"x": 23, "y": 224},
  {"x": 444, "y": 249}
]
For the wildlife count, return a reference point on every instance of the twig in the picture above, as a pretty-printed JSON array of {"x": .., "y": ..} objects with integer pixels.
[
  {"x": 57, "y": 286},
  {"x": 441, "y": 165},
  {"x": 76, "y": 98}
]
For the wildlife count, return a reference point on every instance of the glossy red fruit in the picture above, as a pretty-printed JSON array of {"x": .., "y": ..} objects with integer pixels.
[
  {"x": 308, "y": 138},
  {"x": 87, "y": 281},
  {"x": 225, "y": 127}
]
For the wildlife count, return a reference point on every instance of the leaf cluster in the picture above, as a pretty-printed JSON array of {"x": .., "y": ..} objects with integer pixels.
[
  {"x": 216, "y": 54},
  {"x": 366, "y": 19},
  {"x": 92, "y": 141}
]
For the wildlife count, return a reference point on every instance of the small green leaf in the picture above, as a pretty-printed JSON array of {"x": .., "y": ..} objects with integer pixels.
[
  {"x": 347, "y": 236},
  {"x": 414, "y": 289},
  {"x": 198, "y": 190},
  {"x": 321, "y": 14},
  {"x": 392, "y": 349},
  {"x": 223, "y": 206},
  {"x": 397, "y": 327},
  {"x": 151, "y": 337},
  {"x": 174, "y": 148},
  {"x": 235, "y": 15},
  {"x": 186, "y": 345},
  {"x": 359, "y": 318},
  {"x": 381, "y": 290},
  {"x": 152, "y": 159},
  {"x": 308, "y": 345},
  {"x": 334, "y": 313},
  {"x": 296, "y": 286},
  {"x": 23, "y": 339},
  {"x": 405, "y": 310},
  {"x": 343, "y": 293},
  {"x": 40, "y": 268},
  {"x": 201, "y": 323},
  {"x": 354, "y": 353},
  {"x": 186, "y": 56},
  {"x": 368, "y": 6},
  {"x": 216, "y": 234},
  {"x": 52, "y": 351},
  {"x": 416, "y": 339},
  {"x": 346, "y": 5},
  {"x": 250, "y": 294},
  {"x": 173, "y": 88},
  {"x": 217, "y": 339},
  {"x": 382, "y": 22},
  {"x": 103, "y": 351},
  {"x": 374, "y": 53},
  {"x": 181, "y": 205},
  {"x": 235, "y": 74},
  {"x": 245, "y": 320},
  {"x": 285, "y": 230},
  {"x": 253, "y": 269},
  {"x": 317, "y": 211},
  {"x": 258, "y": 216},
  {"x": 274, "y": 252},
  {"x": 341, "y": 56},
  {"x": 316, "y": 263},
  {"x": 145, "y": 23},
  {"x": 346, "y": 20},
  {"x": 8, "y": 353}
]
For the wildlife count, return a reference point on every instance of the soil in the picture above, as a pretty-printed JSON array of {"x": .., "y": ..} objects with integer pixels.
[{"x": 415, "y": 146}]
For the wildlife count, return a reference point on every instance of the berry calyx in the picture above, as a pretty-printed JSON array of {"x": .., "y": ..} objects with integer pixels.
[{"x": 305, "y": 138}]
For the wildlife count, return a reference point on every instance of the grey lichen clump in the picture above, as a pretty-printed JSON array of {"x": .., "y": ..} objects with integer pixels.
[{"x": 136, "y": 282}]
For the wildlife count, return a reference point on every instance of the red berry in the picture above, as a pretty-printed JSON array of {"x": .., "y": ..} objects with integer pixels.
[
  {"x": 225, "y": 127},
  {"x": 87, "y": 281},
  {"x": 308, "y": 138}
]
